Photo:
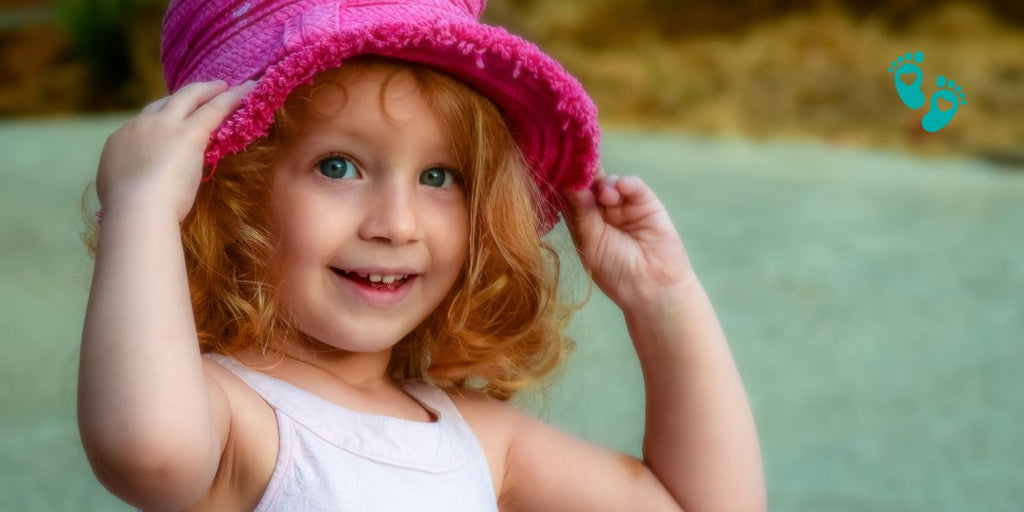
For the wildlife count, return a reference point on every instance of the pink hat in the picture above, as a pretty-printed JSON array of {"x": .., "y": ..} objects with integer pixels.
[{"x": 284, "y": 43}]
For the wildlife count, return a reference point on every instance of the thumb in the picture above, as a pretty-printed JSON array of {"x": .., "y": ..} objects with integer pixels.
[{"x": 584, "y": 217}]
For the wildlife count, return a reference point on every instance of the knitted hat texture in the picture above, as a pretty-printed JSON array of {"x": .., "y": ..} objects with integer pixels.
[{"x": 284, "y": 43}]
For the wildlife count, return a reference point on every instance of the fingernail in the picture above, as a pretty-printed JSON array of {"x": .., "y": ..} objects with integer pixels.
[{"x": 611, "y": 179}]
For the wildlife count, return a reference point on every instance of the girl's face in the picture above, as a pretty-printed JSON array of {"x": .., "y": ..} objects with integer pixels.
[{"x": 370, "y": 189}]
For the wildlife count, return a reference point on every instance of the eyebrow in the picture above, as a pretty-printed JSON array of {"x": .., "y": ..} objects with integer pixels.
[
  {"x": 329, "y": 134},
  {"x": 332, "y": 132}
]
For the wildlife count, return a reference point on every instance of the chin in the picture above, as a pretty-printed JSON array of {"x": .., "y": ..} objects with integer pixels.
[{"x": 364, "y": 340}]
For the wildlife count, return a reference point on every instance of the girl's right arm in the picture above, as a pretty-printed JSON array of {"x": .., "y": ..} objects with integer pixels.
[{"x": 152, "y": 424}]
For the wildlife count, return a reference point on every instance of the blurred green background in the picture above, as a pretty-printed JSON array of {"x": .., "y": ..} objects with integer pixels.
[{"x": 867, "y": 273}]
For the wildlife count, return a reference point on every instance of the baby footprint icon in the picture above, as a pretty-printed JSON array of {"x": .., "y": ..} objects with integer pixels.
[
  {"x": 936, "y": 118},
  {"x": 911, "y": 94}
]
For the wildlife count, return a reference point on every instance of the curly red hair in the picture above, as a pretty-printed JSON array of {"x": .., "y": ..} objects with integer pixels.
[{"x": 501, "y": 326}]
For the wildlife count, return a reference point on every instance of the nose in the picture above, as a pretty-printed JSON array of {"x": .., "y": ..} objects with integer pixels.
[{"x": 392, "y": 215}]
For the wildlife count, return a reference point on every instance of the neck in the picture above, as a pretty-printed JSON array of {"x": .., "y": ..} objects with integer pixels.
[{"x": 361, "y": 370}]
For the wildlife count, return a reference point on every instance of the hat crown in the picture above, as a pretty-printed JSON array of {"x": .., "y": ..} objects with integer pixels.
[
  {"x": 233, "y": 40},
  {"x": 473, "y": 7}
]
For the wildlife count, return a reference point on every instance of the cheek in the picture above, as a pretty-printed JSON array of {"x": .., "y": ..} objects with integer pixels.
[
  {"x": 458, "y": 245},
  {"x": 455, "y": 231},
  {"x": 296, "y": 224},
  {"x": 289, "y": 246},
  {"x": 448, "y": 235},
  {"x": 295, "y": 247}
]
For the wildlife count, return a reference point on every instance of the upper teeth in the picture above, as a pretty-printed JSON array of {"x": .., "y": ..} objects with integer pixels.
[{"x": 388, "y": 279}]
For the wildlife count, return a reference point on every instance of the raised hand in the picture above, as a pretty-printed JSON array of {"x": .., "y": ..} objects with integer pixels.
[
  {"x": 626, "y": 239},
  {"x": 157, "y": 156}
]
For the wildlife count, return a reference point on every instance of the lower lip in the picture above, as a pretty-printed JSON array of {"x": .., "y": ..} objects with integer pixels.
[{"x": 376, "y": 296}]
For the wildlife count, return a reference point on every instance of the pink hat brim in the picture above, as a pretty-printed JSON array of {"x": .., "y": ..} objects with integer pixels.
[{"x": 551, "y": 116}]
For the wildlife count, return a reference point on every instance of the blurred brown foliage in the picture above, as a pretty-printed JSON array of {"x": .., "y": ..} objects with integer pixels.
[
  {"x": 69, "y": 56},
  {"x": 799, "y": 68},
  {"x": 761, "y": 68}
]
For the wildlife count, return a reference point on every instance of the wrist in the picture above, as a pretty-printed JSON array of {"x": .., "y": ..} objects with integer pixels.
[
  {"x": 151, "y": 193},
  {"x": 151, "y": 206},
  {"x": 664, "y": 299},
  {"x": 669, "y": 327},
  {"x": 135, "y": 215}
]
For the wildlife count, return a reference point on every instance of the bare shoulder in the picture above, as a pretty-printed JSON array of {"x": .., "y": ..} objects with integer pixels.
[
  {"x": 539, "y": 468},
  {"x": 492, "y": 421},
  {"x": 485, "y": 415},
  {"x": 250, "y": 447}
]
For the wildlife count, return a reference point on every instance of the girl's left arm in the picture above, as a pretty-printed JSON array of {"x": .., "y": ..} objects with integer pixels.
[
  {"x": 700, "y": 449},
  {"x": 700, "y": 438}
]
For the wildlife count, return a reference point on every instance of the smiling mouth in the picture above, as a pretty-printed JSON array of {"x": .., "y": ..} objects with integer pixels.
[{"x": 376, "y": 282}]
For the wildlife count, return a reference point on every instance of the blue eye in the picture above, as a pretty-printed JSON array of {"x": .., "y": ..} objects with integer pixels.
[
  {"x": 336, "y": 167},
  {"x": 435, "y": 177}
]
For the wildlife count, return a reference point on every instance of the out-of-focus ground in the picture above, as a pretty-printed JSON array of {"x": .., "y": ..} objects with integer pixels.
[{"x": 756, "y": 68}]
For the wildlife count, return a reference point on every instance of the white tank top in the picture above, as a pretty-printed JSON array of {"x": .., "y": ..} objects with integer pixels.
[{"x": 337, "y": 459}]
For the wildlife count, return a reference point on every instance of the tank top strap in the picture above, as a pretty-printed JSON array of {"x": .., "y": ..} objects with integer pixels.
[
  {"x": 269, "y": 388},
  {"x": 435, "y": 398}
]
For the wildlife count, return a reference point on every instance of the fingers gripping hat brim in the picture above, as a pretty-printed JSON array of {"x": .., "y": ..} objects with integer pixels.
[{"x": 551, "y": 116}]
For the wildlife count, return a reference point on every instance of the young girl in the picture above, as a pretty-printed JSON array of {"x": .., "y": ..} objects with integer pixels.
[{"x": 318, "y": 288}]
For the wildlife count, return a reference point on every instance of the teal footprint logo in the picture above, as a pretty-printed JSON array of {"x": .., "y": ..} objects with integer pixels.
[
  {"x": 936, "y": 118},
  {"x": 913, "y": 96}
]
